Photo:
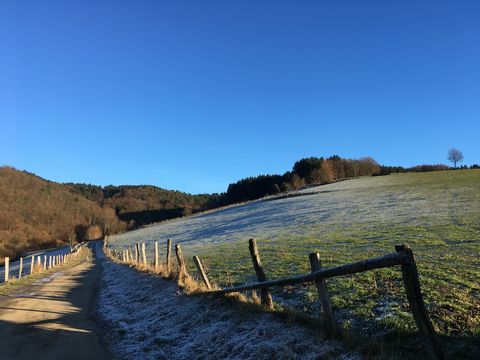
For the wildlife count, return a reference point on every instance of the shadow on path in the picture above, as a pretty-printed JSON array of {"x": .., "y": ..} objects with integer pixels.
[{"x": 52, "y": 320}]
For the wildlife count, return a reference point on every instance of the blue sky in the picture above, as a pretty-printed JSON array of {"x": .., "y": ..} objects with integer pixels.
[{"x": 193, "y": 95}]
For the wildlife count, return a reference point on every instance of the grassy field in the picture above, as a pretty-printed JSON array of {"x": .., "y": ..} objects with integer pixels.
[{"x": 436, "y": 213}]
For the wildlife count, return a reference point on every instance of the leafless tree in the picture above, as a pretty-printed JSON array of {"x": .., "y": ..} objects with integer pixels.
[{"x": 455, "y": 156}]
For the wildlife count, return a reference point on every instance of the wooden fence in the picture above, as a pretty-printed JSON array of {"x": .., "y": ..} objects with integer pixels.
[
  {"x": 403, "y": 257},
  {"x": 39, "y": 263}
]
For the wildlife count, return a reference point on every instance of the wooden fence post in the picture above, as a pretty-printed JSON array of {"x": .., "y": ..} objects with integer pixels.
[
  {"x": 144, "y": 255},
  {"x": 155, "y": 257},
  {"x": 266, "y": 296},
  {"x": 7, "y": 268},
  {"x": 417, "y": 305},
  {"x": 50, "y": 262},
  {"x": 181, "y": 261},
  {"x": 45, "y": 262},
  {"x": 202, "y": 272},
  {"x": 32, "y": 264},
  {"x": 328, "y": 315},
  {"x": 20, "y": 269},
  {"x": 137, "y": 253},
  {"x": 169, "y": 255},
  {"x": 39, "y": 263}
]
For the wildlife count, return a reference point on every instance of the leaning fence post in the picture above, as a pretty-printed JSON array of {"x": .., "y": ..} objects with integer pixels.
[
  {"x": 137, "y": 253},
  {"x": 7, "y": 268},
  {"x": 417, "y": 305},
  {"x": 257, "y": 264},
  {"x": 181, "y": 261},
  {"x": 202, "y": 272},
  {"x": 155, "y": 257},
  {"x": 321, "y": 285},
  {"x": 169, "y": 255},
  {"x": 144, "y": 255},
  {"x": 20, "y": 268}
]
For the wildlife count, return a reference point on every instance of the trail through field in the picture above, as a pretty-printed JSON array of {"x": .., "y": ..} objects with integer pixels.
[
  {"x": 148, "y": 318},
  {"x": 51, "y": 319}
]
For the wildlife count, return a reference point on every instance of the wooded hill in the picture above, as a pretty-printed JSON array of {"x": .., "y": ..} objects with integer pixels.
[
  {"x": 36, "y": 213},
  {"x": 144, "y": 204}
]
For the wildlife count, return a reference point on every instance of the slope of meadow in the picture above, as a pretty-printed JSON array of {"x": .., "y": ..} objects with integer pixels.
[{"x": 436, "y": 213}]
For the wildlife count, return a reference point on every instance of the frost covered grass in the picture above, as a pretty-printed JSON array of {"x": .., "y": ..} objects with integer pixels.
[
  {"x": 436, "y": 213},
  {"x": 147, "y": 318}
]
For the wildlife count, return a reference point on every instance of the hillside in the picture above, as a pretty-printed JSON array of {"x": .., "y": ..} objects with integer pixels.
[
  {"x": 143, "y": 204},
  {"x": 436, "y": 213},
  {"x": 36, "y": 213}
]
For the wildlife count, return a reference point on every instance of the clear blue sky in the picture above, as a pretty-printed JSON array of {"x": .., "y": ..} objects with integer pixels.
[{"x": 193, "y": 95}]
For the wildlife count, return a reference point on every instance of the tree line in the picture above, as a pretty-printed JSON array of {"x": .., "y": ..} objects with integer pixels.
[
  {"x": 307, "y": 171},
  {"x": 139, "y": 205}
]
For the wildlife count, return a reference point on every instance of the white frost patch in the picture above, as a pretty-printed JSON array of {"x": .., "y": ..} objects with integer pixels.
[
  {"x": 147, "y": 318},
  {"x": 48, "y": 278}
]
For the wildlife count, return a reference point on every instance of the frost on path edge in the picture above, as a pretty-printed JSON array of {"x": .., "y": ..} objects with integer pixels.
[{"x": 148, "y": 318}]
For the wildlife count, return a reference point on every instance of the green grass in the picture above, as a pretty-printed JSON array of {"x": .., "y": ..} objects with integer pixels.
[{"x": 437, "y": 214}]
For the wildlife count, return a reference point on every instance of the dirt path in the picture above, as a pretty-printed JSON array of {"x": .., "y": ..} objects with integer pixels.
[{"x": 51, "y": 318}]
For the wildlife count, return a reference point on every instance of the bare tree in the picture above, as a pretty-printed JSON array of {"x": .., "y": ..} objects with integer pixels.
[{"x": 455, "y": 156}]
